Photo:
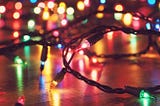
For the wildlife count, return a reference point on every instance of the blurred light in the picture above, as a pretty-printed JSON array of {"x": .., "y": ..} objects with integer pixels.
[
  {"x": 99, "y": 15},
  {"x": 118, "y": 16},
  {"x": 54, "y": 17},
  {"x": 118, "y": 7},
  {"x": 33, "y": 1},
  {"x": 151, "y": 2},
  {"x": 100, "y": 7},
  {"x": 70, "y": 10},
  {"x": 148, "y": 26},
  {"x": 45, "y": 15},
  {"x": 61, "y": 10},
  {"x": 145, "y": 102},
  {"x": 85, "y": 21},
  {"x": 15, "y": 34},
  {"x": 127, "y": 19},
  {"x": 37, "y": 10},
  {"x": 94, "y": 60},
  {"x": 60, "y": 46},
  {"x": 109, "y": 35},
  {"x": 21, "y": 100},
  {"x": 16, "y": 24},
  {"x": 27, "y": 53},
  {"x": 10, "y": 5},
  {"x": 133, "y": 35},
  {"x": 157, "y": 25},
  {"x": 18, "y": 5},
  {"x": 2, "y": 23},
  {"x": 2, "y": 9},
  {"x": 80, "y": 5},
  {"x": 62, "y": 4},
  {"x": 81, "y": 52},
  {"x": 133, "y": 43},
  {"x": 31, "y": 25},
  {"x": 50, "y": 4},
  {"x": 19, "y": 75},
  {"x": 70, "y": 17},
  {"x": 136, "y": 24},
  {"x": 56, "y": 97},
  {"x": 26, "y": 38},
  {"x": 18, "y": 60},
  {"x": 102, "y": 1},
  {"x": 94, "y": 74},
  {"x": 56, "y": 33},
  {"x": 41, "y": 5},
  {"x": 64, "y": 22},
  {"x": 16, "y": 15},
  {"x": 87, "y": 3},
  {"x": 81, "y": 64},
  {"x": 84, "y": 44}
]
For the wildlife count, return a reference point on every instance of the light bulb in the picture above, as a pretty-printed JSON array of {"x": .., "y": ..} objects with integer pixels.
[
  {"x": 18, "y": 60},
  {"x": 144, "y": 94},
  {"x": 43, "y": 56},
  {"x": 20, "y": 101},
  {"x": 90, "y": 41},
  {"x": 58, "y": 78}
]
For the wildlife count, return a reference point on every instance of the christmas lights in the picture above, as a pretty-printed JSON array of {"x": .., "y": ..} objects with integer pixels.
[{"x": 90, "y": 38}]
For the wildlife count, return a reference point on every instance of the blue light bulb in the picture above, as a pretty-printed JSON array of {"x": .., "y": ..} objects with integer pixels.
[{"x": 33, "y": 1}]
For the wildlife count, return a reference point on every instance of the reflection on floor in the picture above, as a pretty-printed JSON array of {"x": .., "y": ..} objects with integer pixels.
[{"x": 26, "y": 80}]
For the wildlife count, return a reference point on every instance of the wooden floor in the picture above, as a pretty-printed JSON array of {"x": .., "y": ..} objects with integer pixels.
[{"x": 26, "y": 80}]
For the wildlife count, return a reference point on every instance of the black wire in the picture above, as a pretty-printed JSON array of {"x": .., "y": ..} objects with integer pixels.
[{"x": 127, "y": 89}]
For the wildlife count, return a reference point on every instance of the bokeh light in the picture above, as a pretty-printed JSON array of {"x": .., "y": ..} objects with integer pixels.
[
  {"x": 50, "y": 4},
  {"x": 2, "y": 23},
  {"x": 87, "y": 3},
  {"x": 18, "y": 5},
  {"x": 70, "y": 17},
  {"x": 41, "y": 5},
  {"x": 16, "y": 34},
  {"x": 80, "y": 5},
  {"x": 118, "y": 16},
  {"x": 102, "y": 1},
  {"x": 33, "y": 1},
  {"x": 62, "y": 4},
  {"x": 151, "y": 2},
  {"x": 70, "y": 10},
  {"x": 64, "y": 22},
  {"x": 16, "y": 15},
  {"x": 37, "y": 10},
  {"x": 45, "y": 15},
  {"x": 148, "y": 26},
  {"x": 2, "y": 9},
  {"x": 31, "y": 25},
  {"x": 56, "y": 33},
  {"x": 61, "y": 10},
  {"x": 127, "y": 19},
  {"x": 118, "y": 7}
]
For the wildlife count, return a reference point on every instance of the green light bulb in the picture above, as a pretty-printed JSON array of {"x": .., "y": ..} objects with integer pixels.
[
  {"x": 26, "y": 38},
  {"x": 144, "y": 94},
  {"x": 18, "y": 60}
]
